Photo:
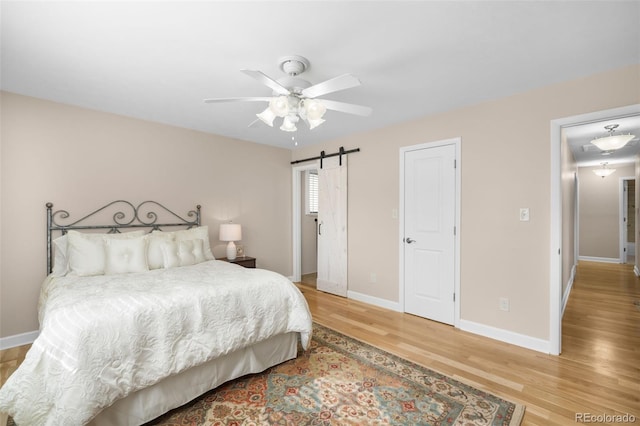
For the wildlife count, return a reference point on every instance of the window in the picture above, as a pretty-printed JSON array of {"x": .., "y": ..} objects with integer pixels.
[{"x": 311, "y": 189}]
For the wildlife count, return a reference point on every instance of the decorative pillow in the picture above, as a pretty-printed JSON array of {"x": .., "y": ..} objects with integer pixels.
[
  {"x": 191, "y": 251},
  {"x": 170, "y": 257},
  {"x": 125, "y": 255},
  {"x": 155, "y": 257},
  {"x": 202, "y": 233},
  {"x": 60, "y": 261},
  {"x": 86, "y": 252},
  {"x": 182, "y": 253}
]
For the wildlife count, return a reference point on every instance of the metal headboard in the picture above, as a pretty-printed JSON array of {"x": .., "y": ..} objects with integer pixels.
[{"x": 126, "y": 215}]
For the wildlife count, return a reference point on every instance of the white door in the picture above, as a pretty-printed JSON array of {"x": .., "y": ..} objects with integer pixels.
[
  {"x": 429, "y": 232},
  {"x": 332, "y": 226}
]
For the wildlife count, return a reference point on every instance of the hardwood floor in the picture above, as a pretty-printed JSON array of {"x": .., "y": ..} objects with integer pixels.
[
  {"x": 597, "y": 373},
  {"x": 309, "y": 279},
  {"x": 10, "y": 359}
]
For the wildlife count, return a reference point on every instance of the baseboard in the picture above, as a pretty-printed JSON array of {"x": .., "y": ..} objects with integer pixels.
[
  {"x": 18, "y": 340},
  {"x": 376, "y": 301},
  {"x": 506, "y": 336},
  {"x": 599, "y": 259},
  {"x": 567, "y": 292},
  {"x": 470, "y": 326}
]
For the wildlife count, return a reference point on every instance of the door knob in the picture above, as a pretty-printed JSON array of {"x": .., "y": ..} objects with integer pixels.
[{"x": 409, "y": 240}]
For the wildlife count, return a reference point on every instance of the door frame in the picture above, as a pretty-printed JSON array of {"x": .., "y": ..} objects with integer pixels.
[
  {"x": 296, "y": 218},
  {"x": 555, "y": 240},
  {"x": 622, "y": 213},
  {"x": 401, "y": 212}
]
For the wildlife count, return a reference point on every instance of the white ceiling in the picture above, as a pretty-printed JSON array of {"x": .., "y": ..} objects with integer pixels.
[{"x": 158, "y": 60}]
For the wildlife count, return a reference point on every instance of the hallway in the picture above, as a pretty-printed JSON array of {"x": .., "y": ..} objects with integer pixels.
[{"x": 601, "y": 324}]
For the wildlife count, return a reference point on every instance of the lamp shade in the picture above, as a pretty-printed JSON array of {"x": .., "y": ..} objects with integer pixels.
[
  {"x": 315, "y": 123},
  {"x": 608, "y": 143},
  {"x": 288, "y": 124},
  {"x": 267, "y": 116},
  {"x": 279, "y": 106},
  {"x": 230, "y": 232},
  {"x": 314, "y": 109},
  {"x": 604, "y": 172}
]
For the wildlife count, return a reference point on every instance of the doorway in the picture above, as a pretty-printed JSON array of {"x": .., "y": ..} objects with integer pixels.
[
  {"x": 309, "y": 227},
  {"x": 331, "y": 228},
  {"x": 556, "y": 251},
  {"x": 297, "y": 180},
  {"x": 429, "y": 223},
  {"x": 627, "y": 220}
]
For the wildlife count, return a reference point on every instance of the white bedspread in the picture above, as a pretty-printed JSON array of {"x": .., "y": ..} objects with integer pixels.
[{"x": 104, "y": 337}]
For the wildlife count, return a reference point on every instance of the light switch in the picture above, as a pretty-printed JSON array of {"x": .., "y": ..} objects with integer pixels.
[{"x": 524, "y": 214}]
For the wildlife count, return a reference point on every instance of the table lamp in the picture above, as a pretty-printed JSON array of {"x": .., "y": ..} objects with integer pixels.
[{"x": 230, "y": 232}]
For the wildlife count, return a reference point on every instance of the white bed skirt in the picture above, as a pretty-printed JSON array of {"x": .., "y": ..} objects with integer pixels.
[{"x": 149, "y": 403}]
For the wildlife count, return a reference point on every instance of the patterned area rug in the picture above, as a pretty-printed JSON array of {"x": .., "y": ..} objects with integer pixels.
[{"x": 342, "y": 381}]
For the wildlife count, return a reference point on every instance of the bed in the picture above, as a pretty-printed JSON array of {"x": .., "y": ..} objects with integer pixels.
[{"x": 137, "y": 318}]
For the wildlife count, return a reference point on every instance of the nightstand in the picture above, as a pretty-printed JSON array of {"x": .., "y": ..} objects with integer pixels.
[{"x": 246, "y": 261}]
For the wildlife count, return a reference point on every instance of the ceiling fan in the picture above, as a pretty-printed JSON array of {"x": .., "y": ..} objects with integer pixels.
[{"x": 295, "y": 98}]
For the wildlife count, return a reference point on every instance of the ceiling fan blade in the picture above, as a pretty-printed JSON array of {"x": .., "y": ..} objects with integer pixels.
[
  {"x": 211, "y": 101},
  {"x": 348, "y": 108},
  {"x": 267, "y": 81},
  {"x": 344, "y": 81}
]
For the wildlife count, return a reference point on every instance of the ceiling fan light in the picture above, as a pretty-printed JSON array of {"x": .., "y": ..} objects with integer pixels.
[
  {"x": 314, "y": 109},
  {"x": 279, "y": 106},
  {"x": 267, "y": 116},
  {"x": 608, "y": 143},
  {"x": 313, "y": 123},
  {"x": 288, "y": 125}
]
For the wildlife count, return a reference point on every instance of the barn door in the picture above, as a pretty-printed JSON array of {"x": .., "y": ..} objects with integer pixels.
[{"x": 332, "y": 226}]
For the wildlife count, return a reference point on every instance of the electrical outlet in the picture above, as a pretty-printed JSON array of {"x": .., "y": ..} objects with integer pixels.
[
  {"x": 373, "y": 277},
  {"x": 504, "y": 304},
  {"x": 524, "y": 214}
]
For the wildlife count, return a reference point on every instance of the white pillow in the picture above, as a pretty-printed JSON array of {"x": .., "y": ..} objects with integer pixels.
[
  {"x": 125, "y": 255},
  {"x": 60, "y": 261},
  {"x": 202, "y": 233},
  {"x": 182, "y": 253},
  {"x": 193, "y": 250},
  {"x": 155, "y": 258},
  {"x": 86, "y": 252}
]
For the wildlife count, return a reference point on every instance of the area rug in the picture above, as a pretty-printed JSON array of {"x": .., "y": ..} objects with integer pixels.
[{"x": 343, "y": 381}]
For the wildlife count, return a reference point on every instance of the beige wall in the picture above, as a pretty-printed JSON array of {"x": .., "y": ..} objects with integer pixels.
[
  {"x": 568, "y": 177},
  {"x": 600, "y": 211},
  {"x": 80, "y": 159},
  {"x": 76, "y": 157},
  {"x": 505, "y": 164}
]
